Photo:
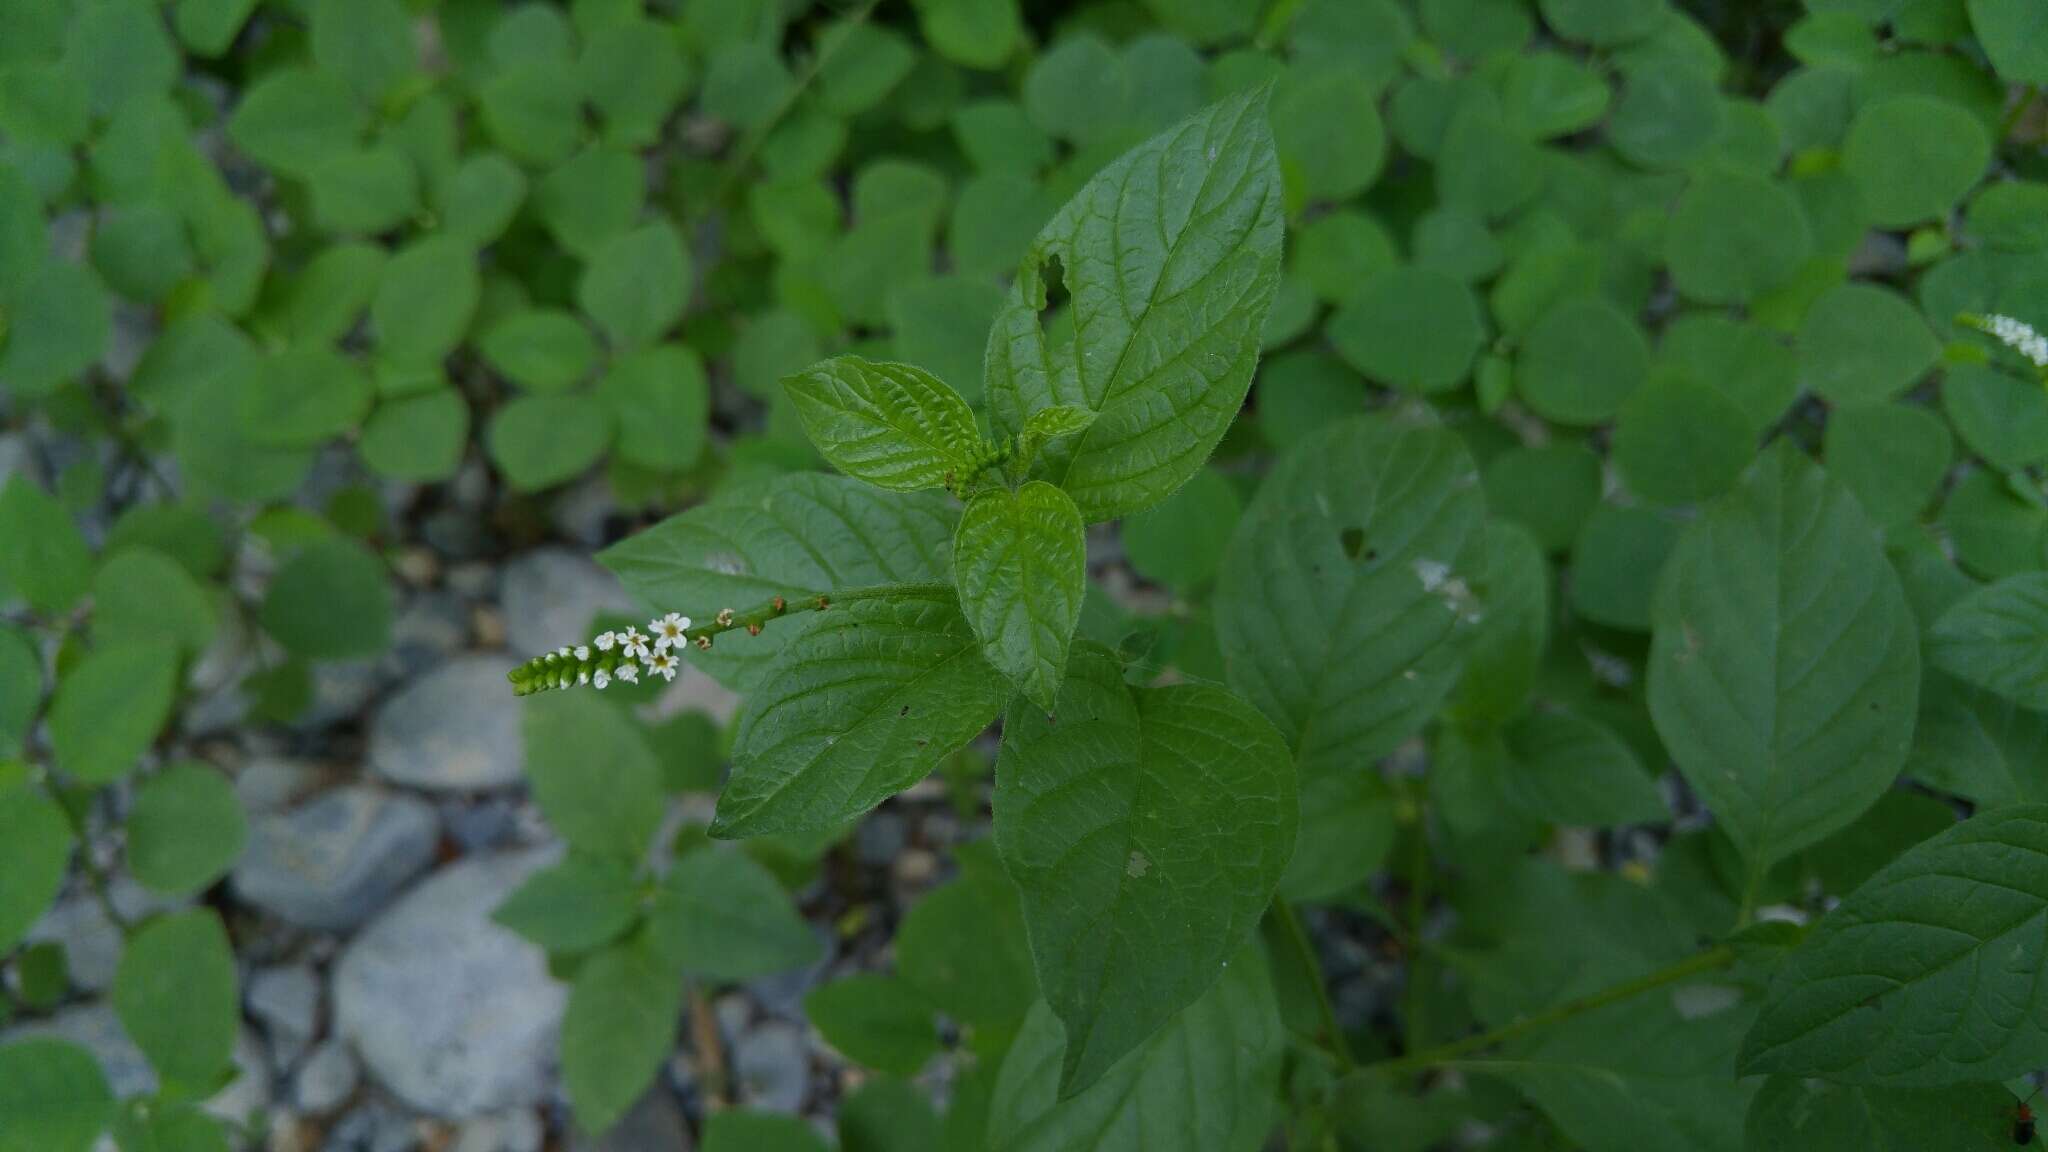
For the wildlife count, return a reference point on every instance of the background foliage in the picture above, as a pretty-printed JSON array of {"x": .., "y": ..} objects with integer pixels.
[{"x": 1624, "y": 550}]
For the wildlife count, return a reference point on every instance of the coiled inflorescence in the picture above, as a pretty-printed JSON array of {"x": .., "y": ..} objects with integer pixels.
[
  {"x": 2017, "y": 335},
  {"x": 622, "y": 656}
]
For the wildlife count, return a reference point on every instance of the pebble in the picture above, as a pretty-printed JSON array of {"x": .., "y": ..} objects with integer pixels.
[
  {"x": 552, "y": 595},
  {"x": 286, "y": 1001},
  {"x": 655, "y": 1124},
  {"x": 273, "y": 783},
  {"x": 772, "y": 1065},
  {"x": 327, "y": 1079},
  {"x": 516, "y": 1131},
  {"x": 96, "y": 1028},
  {"x": 453, "y": 1013},
  {"x": 374, "y": 1126},
  {"x": 92, "y": 944},
  {"x": 454, "y": 729},
  {"x": 332, "y": 863},
  {"x": 433, "y": 627}
]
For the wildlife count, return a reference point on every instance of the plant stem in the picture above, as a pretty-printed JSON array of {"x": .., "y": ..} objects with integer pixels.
[
  {"x": 96, "y": 877},
  {"x": 1711, "y": 960},
  {"x": 710, "y": 1049},
  {"x": 1333, "y": 1034},
  {"x": 2017, "y": 112},
  {"x": 735, "y": 165}
]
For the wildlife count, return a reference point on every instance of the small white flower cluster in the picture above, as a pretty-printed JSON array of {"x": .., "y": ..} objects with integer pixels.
[
  {"x": 2020, "y": 337},
  {"x": 659, "y": 653}
]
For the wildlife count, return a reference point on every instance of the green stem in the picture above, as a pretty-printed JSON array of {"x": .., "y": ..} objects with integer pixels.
[
  {"x": 554, "y": 670},
  {"x": 1333, "y": 1034},
  {"x": 1711, "y": 960},
  {"x": 2018, "y": 110},
  {"x": 96, "y": 877}
]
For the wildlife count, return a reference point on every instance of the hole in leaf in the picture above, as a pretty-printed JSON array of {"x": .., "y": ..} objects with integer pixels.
[
  {"x": 1353, "y": 541},
  {"x": 1054, "y": 275}
]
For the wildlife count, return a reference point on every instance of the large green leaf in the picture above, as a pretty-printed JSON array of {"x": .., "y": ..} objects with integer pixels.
[
  {"x": 720, "y": 915},
  {"x": 1348, "y": 586},
  {"x": 1147, "y": 828},
  {"x": 53, "y": 1097},
  {"x": 593, "y": 775},
  {"x": 1206, "y": 1082},
  {"x": 35, "y": 850},
  {"x": 175, "y": 992},
  {"x": 797, "y": 536},
  {"x": 892, "y": 425},
  {"x": 618, "y": 1031},
  {"x": 1784, "y": 668},
  {"x": 860, "y": 705},
  {"x": 1997, "y": 638},
  {"x": 1021, "y": 565},
  {"x": 1171, "y": 257},
  {"x": 1929, "y": 973},
  {"x": 1796, "y": 1114}
]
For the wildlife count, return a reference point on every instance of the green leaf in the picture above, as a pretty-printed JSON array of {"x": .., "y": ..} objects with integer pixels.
[
  {"x": 295, "y": 118},
  {"x": 1734, "y": 236},
  {"x": 21, "y": 690},
  {"x": 634, "y": 76},
  {"x": 46, "y": 559},
  {"x": 1794, "y": 1114},
  {"x": 175, "y": 992},
  {"x": 364, "y": 191},
  {"x": 35, "y": 852},
  {"x": 1410, "y": 328},
  {"x": 942, "y": 323},
  {"x": 594, "y": 197},
  {"x": 1181, "y": 543},
  {"x": 122, "y": 51},
  {"x": 110, "y": 706},
  {"x": 419, "y": 438},
  {"x": 425, "y": 300},
  {"x": 860, "y": 705},
  {"x": 1678, "y": 441},
  {"x": 1927, "y": 974},
  {"x": 1206, "y": 1082},
  {"x": 368, "y": 43},
  {"x": 209, "y": 27},
  {"x": 1861, "y": 344},
  {"x": 1666, "y": 117},
  {"x": 1581, "y": 361},
  {"x": 592, "y": 774},
  {"x": 143, "y": 251},
  {"x": 963, "y": 946},
  {"x": 2015, "y": 36},
  {"x": 322, "y": 303},
  {"x": 332, "y": 601},
  {"x": 1784, "y": 666},
  {"x": 584, "y": 902},
  {"x": 1175, "y": 251},
  {"x": 1326, "y": 128},
  {"x": 1914, "y": 158},
  {"x": 1021, "y": 566},
  {"x": 57, "y": 327},
  {"x": 1347, "y": 588},
  {"x": 540, "y": 348},
  {"x": 876, "y": 1021},
  {"x": 1997, "y": 638},
  {"x": 760, "y": 1132},
  {"x": 637, "y": 284},
  {"x": 170, "y": 1127},
  {"x": 1546, "y": 94},
  {"x": 54, "y": 1096},
  {"x": 2000, "y": 417},
  {"x": 1501, "y": 661},
  {"x": 186, "y": 829},
  {"x": 662, "y": 403},
  {"x": 1893, "y": 457},
  {"x": 1549, "y": 489},
  {"x": 618, "y": 1031},
  {"x": 545, "y": 440},
  {"x": 1604, "y": 23},
  {"x": 799, "y": 537},
  {"x": 1616, "y": 561},
  {"x": 305, "y": 397},
  {"x": 481, "y": 199},
  {"x": 892, "y": 425},
  {"x": 1570, "y": 770},
  {"x": 533, "y": 110},
  {"x": 1147, "y": 829},
  {"x": 975, "y": 33},
  {"x": 721, "y": 916}
]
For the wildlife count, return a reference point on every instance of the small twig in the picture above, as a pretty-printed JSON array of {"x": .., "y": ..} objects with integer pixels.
[{"x": 710, "y": 1049}]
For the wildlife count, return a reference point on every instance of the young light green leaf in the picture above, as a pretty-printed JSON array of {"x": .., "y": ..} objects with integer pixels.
[
  {"x": 1928, "y": 974},
  {"x": 54, "y": 1097},
  {"x": 109, "y": 708},
  {"x": 1348, "y": 585},
  {"x": 875, "y": 1020},
  {"x": 593, "y": 775},
  {"x": 1997, "y": 638},
  {"x": 618, "y": 1031},
  {"x": 892, "y": 425},
  {"x": 860, "y": 705},
  {"x": 186, "y": 829},
  {"x": 1784, "y": 665},
  {"x": 1147, "y": 828},
  {"x": 1053, "y": 423},
  {"x": 176, "y": 995},
  {"x": 1020, "y": 561},
  {"x": 584, "y": 902},
  {"x": 800, "y": 537},
  {"x": 35, "y": 851},
  {"x": 722, "y": 916},
  {"x": 1172, "y": 257},
  {"x": 1206, "y": 1082},
  {"x": 46, "y": 559}
]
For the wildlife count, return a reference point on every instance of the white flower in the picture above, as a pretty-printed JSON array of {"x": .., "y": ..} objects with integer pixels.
[
  {"x": 634, "y": 644},
  {"x": 563, "y": 651},
  {"x": 605, "y": 640},
  {"x": 629, "y": 673},
  {"x": 600, "y": 680},
  {"x": 2020, "y": 337},
  {"x": 583, "y": 675},
  {"x": 668, "y": 631},
  {"x": 663, "y": 665},
  {"x": 582, "y": 652}
]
